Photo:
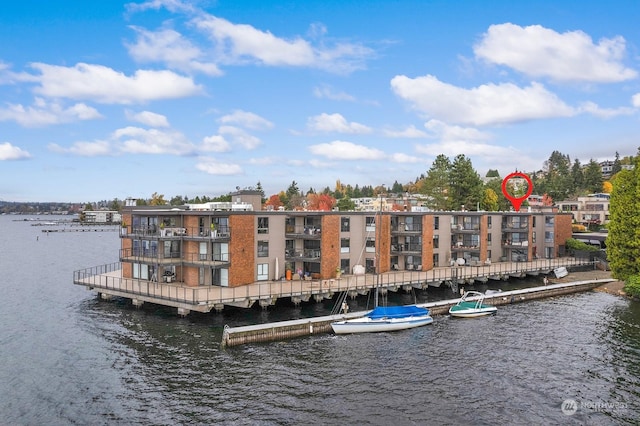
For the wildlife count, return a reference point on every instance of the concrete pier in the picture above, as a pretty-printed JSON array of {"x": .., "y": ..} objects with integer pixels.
[{"x": 234, "y": 336}]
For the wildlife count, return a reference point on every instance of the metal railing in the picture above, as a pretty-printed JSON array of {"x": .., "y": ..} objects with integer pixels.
[{"x": 109, "y": 278}]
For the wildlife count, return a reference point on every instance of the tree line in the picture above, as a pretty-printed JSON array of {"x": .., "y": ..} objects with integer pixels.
[{"x": 449, "y": 184}]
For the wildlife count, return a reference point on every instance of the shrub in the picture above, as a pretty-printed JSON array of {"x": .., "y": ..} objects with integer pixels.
[
  {"x": 632, "y": 286},
  {"x": 573, "y": 244}
]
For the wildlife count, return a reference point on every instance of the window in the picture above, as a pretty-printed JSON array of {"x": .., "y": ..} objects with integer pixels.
[
  {"x": 203, "y": 251},
  {"x": 370, "y": 223},
  {"x": 436, "y": 259},
  {"x": 533, "y": 237},
  {"x": 345, "y": 224},
  {"x": 344, "y": 245},
  {"x": 263, "y": 225},
  {"x": 370, "y": 246},
  {"x": 436, "y": 241},
  {"x": 263, "y": 271},
  {"x": 345, "y": 266},
  {"x": 548, "y": 237},
  {"x": 489, "y": 222},
  {"x": 220, "y": 252},
  {"x": 549, "y": 220},
  {"x": 263, "y": 248},
  {"x": 489, "y": 238},
  {"x": 436, "y": 222}
]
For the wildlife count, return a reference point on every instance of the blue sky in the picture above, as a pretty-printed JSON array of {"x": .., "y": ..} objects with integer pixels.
[{"x": 107, "y": 99}]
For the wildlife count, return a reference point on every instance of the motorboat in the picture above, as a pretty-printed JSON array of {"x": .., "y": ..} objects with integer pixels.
[
  {"x": 471, "y": 305},
  {"x": 385, "y": 318}
]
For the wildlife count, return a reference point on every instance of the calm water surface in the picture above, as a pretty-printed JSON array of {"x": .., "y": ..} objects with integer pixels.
[{"x": 68, "y": 358}]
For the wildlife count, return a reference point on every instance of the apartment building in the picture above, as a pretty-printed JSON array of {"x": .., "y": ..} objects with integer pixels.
[
  {"x": 590, "y": 210},
  {"x": 217, "y": 245}
]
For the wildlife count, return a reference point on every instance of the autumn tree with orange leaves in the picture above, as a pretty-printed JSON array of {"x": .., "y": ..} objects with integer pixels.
[{"x": 322, "y": 202}]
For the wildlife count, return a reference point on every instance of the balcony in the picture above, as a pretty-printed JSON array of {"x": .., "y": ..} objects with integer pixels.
[
  {"x": 407, "y": 228},
  {"x": 307, "y": 255},
  {"x": 169, "y": 233},
  {"x": 303, "y": 232}
]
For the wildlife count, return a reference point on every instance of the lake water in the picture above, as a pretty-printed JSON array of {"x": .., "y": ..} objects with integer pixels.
[{"x": 68, "y": 358}]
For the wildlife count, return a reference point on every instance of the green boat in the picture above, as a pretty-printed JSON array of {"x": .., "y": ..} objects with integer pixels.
[{"x": 472, "y": 305}]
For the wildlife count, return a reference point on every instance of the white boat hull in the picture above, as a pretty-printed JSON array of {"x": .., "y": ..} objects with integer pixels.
[
  {"x": 369, "y": 325},
  {"x": 473, "y": 313}
]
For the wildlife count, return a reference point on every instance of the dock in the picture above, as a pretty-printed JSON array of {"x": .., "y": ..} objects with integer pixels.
[
  {"x": 284, "y": 330},
  {"x": 108, "y": 281}
]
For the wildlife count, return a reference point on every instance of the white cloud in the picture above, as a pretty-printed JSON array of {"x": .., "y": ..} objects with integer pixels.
[
  {"x": 541, "y": 52},
  {"x": 215, "y": 143},
  {"x": 148, "y": 118},
  {"x": 593, "y": 109},
  {"x": 335, "y": 123},
  {"x": 409, "y": 132},
  {"x": 246, "y": 119},
  {"x": 170, "y": 5},
  {"x": 11, "y": 152},
  {"x": 136, "y": 140},
  {"x": 215, "y": 167},
  {"x": 449, "y": 132},
  {"x": 105, "y": 85},
  {"x": 264, "y": 161},
  {"x": 169, "y": 47},
  {"x": 85, "y": 149},
  {"x": 488, "y": 104},
  {"x": 242, "y": 43},
  {"x": 635, "y": 100},
  {"x": 341, "y": 150},
  {"x": 326, "y": 92},
  {"x": 44, "y": 113},
  {"x": 240, "y": 137},
  {"x": 400, "y": 157}
]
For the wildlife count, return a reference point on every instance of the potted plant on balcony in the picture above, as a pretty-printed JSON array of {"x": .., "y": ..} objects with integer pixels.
[{"x": 338, "y": 272}]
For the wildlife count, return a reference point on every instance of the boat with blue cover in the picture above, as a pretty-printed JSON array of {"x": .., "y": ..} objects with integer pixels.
[{"x": 385, "y": 318}]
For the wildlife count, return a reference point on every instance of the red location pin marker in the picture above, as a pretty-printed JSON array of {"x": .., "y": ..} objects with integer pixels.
[{"x": 516, "y": 202}]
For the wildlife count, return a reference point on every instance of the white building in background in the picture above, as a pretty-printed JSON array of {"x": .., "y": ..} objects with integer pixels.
[
  {"x": 102, "y": 216},
  {"x": 590, "y": 210}
]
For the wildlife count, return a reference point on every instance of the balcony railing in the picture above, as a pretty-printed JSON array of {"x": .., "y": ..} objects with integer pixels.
[{"x": 173, "y": 232}]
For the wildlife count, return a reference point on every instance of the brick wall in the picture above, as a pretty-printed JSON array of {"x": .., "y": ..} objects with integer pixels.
[
  {"x": 427, "y": 242},
  {"x": 330, "y": 246},
  {"x": 562, "y": 231},
  {"x": 242, "y": 250}
]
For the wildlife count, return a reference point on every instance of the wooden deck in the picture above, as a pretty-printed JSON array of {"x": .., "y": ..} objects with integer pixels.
[{"x": 108, "y": 281}]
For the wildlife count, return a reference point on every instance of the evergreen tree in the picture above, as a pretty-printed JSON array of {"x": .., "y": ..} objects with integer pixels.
[
  {"x": 577, "y": 175},
  {"x": 437, "y": 183},
  {"x": 465, "y": 185},
  {"x": 593, "y": 177},
  {"x": 346, "y": 204},
  {"x": 617, "y": 165},
  {"x": 623, "y": 239},
  {"x": 557, "y": 181}
]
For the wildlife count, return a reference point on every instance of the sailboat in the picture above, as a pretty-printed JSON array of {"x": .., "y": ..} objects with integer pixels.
[{"x": 384, "y": 318}]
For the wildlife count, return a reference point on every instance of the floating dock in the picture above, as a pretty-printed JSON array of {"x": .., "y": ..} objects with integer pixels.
[{"x": 283, "y": 330}]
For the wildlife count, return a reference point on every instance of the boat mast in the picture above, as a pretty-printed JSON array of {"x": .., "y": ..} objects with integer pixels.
[{"x": 378, "y": 239}]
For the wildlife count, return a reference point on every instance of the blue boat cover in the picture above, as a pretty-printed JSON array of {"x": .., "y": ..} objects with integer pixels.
[{"x": 397, "y": 311}]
